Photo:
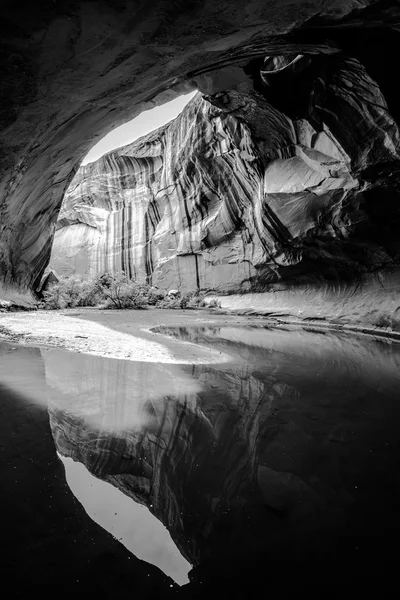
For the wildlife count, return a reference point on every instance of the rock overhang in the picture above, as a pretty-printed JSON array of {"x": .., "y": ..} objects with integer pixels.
[{"x": 81, "y": 68}]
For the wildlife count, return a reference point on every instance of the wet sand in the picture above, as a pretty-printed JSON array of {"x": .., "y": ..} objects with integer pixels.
[
  {"x": 130, "y": 335},
  {"x": 121, "y": 334}
]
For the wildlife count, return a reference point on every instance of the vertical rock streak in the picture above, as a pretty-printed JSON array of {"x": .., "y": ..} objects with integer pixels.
[{"x": 234, "y": 190}]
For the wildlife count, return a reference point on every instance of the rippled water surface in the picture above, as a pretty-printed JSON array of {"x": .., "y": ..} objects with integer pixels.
[{"x": 289, "y": 452}]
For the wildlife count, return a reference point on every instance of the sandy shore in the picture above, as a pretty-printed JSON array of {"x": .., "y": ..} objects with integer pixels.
[
  {"x": 128, "y": 335},
  {"x": 121, "y": 334}
]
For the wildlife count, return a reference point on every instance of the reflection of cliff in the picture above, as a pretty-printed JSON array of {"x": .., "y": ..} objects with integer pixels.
[
  {"x": 260, "y": 458},
  {"x": 151, "y": 447},
  {"x": 48, "y": 542}
]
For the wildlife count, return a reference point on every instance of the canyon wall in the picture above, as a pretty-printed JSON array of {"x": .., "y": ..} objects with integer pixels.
[
  {"x": 72, "y": 71},
  {"x": 272, "y": 181}
]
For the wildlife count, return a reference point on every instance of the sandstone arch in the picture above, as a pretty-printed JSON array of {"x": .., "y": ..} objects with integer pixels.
[{"x": 73, "y": 70}]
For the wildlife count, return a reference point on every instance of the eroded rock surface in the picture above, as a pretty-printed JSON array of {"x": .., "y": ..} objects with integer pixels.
[
  {"x": 71, "y": 71},
  {"x": 245, "y": 187}
]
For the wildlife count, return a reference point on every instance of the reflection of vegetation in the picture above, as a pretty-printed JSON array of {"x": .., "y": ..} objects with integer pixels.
[{"x": 116, "y": 291}]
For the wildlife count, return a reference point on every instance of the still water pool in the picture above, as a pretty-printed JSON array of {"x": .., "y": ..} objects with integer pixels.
[{"x": 291, "y": 451}]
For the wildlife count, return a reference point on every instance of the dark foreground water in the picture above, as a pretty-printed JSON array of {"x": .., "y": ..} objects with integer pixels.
[{"x": 290, "y": 453}]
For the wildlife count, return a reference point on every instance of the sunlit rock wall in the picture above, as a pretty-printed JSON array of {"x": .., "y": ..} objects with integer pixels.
[
  {"x": 103, "y": 225},
  {"x": 253, "y": 185},
  {"x": 72, "y": 71}
]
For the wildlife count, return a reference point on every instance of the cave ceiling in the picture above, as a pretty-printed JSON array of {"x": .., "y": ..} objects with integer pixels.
[{"x": 73, "y": 70}]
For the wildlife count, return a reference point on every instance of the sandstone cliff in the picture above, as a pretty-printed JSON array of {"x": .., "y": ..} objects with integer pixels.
[
  {"x": 246, "y": 187},
  {"x": 71, "y": 71}
]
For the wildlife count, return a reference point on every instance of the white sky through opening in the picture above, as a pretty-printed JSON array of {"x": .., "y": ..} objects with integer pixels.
[
  {"x": 129, "y": 522},
  {"x": 143, "y": 124}
]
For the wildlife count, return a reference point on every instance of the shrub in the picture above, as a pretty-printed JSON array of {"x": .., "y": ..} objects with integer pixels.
[
  {"x": 115, "y": 291},
  {"x": 70, "y": 292},
  {"x": 214, "y": 303},
  {"x": 155, "y": 296},
  {"x": 387, "y": 321},
  {"x": 383, "y": 321},
  {"x": 52, "y": 297},
  {"x": 184, "y": 300},
  {"x": 120, "y": 292}
]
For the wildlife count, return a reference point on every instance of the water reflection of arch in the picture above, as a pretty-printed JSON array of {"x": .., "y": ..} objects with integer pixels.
[
  {"x": 167, "y": 452},
  {"x": 257, "y": 458}
]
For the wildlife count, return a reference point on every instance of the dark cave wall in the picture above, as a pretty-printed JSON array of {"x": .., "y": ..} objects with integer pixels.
[{"x": 73, "y": 70}]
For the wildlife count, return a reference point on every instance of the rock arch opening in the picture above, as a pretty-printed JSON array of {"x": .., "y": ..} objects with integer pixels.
[
  {"x": 105, "y": 222},
  {"x": 281, "y": 175},
  {"x": 261, "y": 181},
  {"x": 143, "y": 124},
  {"x": 268, "y": 178}
]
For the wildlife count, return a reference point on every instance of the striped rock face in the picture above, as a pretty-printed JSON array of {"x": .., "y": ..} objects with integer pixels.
[
  {"x": 244, "y": 188},
  {"x": 287, "y": 170}
]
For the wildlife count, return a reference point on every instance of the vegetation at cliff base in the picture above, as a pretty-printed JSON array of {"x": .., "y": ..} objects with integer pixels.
[{"x": 115, "y": 291}]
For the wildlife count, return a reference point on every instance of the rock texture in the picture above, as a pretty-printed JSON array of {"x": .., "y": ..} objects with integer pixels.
[
  {"x": 296, "y": 79},
  {"x": 235, "y": 192}
]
